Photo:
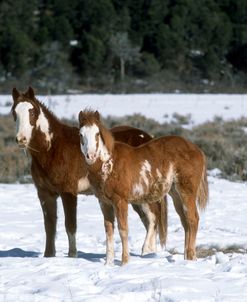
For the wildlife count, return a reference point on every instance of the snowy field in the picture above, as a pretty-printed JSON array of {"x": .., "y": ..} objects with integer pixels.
[
  {"x": 26, "y": 276},
  {"x": 219, "y": 274},
  {"x": 161, "y": 107}
]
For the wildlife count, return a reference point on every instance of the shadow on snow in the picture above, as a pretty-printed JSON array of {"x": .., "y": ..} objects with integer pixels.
[{"x": 17, "y": 252}]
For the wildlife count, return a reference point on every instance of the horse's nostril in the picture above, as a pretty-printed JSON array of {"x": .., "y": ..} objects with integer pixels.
[{"x": 21, "y": 140}]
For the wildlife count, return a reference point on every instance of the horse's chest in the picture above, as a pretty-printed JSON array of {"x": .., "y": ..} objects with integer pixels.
[
  {"x": 106, "y": 170},
  {"x": 59, "y": 178},
  {"x": 102, "y": 186}
]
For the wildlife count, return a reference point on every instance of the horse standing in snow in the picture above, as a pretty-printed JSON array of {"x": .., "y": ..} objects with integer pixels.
[
  {"x": 58, "y": 169},
  {"x": 120, "y": 174}
]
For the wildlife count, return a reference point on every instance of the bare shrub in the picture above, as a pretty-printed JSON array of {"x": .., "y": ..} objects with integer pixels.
[{"x": 224, "y": 143}]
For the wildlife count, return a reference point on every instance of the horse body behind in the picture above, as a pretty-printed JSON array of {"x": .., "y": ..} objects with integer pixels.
[
  {"x": 152, "y": 168},
  {"x": 120, "y": 174},
  {"x": 58, "y": 169}
]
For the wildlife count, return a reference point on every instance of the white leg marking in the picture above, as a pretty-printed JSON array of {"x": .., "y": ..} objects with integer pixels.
[
  {"x": 149, "y": 245},
  {"x": 109, "y": 250}
]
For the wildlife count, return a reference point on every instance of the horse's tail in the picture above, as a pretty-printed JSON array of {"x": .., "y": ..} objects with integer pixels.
[
  {"x": 162, "y": 222},
  {"x": 203, "y": 193}
]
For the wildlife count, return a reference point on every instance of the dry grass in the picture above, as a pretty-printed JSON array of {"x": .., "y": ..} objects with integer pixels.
[
  {"x": 203, "y": 252},
  {"x": 224, "y": 143}
]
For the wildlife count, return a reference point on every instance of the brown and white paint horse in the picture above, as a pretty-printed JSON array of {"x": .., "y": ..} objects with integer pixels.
[
  {"x": 120, "y": 174},
  {"x": 58, "y": 169}
]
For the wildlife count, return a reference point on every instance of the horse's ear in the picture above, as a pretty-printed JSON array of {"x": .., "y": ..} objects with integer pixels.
[
  {"x": 80, "y": 117},
  {"x": 97, "y": 115},
  {"x": 30, "y": 93},
  {"x": 15, "y": 94}
]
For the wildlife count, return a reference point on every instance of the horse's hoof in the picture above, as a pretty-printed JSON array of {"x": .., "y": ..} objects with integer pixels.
[
  {"x": 109, "y": 263},
  {"x": 190, "y": 255},
  {"x": 124, "y": 263},
  {"x": 125, "y": 260},
  {"x": 49, "y": 255},
  {"x": 72, "y": 255},
  {"x": 148, "y": 251}
]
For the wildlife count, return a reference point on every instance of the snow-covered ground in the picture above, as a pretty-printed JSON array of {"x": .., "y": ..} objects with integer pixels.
[
  {"x": 161, "y": 107},
  {"x": 28, "y": 277}
]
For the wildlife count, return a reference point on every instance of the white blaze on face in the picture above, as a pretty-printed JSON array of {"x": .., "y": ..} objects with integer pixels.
[
  {"x": 89, "y": 146},
  {"x": 92, "y": 145},
  {"x": 24, "y": 128}
]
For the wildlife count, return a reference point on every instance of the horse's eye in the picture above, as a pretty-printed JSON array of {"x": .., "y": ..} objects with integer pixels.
[
  {"x": 97, "y": 135},
  {"x": 32, "y": 113},
  {"x": 81, "y": 139}
]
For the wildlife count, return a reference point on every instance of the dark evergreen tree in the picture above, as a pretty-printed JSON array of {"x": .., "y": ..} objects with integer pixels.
[
  {"x": 192, "y": 39},
  {"x": 17, "y": 27}
]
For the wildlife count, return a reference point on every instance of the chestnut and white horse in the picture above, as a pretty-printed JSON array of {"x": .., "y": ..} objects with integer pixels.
[
  {"x": 58, "y": 169},
  {"x": 122, "y": 174}
]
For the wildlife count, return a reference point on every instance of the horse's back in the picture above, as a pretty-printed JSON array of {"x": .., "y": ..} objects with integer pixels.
[
  {"x": 165, "y": 151},
  {"x": 181, "y": 151},
  {"x": 130, "y": 135}
]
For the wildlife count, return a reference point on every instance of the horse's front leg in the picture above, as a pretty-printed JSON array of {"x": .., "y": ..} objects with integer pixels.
[
  {"x": 70, "y": 207},
  {"x": 109, "y": 217},
  {"x": 48, "y": 201},
  {"x": 121, "y": 211}
]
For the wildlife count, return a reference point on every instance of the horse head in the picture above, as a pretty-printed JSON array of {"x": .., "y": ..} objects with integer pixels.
[
  {"x": 95, "y": 140},
  {"x": 30, "y": 120}
]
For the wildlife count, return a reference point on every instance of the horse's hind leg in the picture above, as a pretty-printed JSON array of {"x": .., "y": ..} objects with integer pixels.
[
  {"x": 109, "y": 216},
  {"x": 185, "y": 205},
  {"x": 192, "y": 220},
  {"x": 70, "y": 206},
  {"x": 149, "y": 221},
  {"x": 48, "y": 203},
  {"x": 141, "y": 214},
  {"x": 149, "y": 245}
]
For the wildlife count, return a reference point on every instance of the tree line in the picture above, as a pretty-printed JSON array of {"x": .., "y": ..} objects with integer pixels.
[{"x": 96, "y": 45}]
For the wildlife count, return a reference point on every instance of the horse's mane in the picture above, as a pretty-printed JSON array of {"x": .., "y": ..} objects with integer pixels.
[
  {"x": 107, "y": 137},
  {"x": 46, "y": 110}
]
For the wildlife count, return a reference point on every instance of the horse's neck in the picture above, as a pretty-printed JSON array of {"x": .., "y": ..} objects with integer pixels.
[
  {"x": 96, "y": 167},
  {"x": 107, "y": 143},
  {"x": 44, "y": 151}
]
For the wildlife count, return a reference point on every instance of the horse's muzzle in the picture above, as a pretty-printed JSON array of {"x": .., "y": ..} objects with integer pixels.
[{"x": 22, "y": 143}]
